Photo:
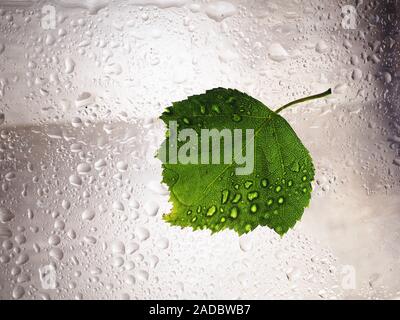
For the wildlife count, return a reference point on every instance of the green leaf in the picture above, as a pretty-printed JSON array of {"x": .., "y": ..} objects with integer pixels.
[{"x": 213, "y": 196}]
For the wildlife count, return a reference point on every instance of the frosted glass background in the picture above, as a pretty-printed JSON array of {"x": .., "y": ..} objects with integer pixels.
[{"x": 80, "y": 194}]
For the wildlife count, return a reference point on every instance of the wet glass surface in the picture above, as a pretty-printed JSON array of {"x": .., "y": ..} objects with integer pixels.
[{"x": 82, "y": 84}]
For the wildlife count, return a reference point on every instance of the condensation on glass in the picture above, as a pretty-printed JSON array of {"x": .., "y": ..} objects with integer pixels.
[{"x": 82, "y": 84}]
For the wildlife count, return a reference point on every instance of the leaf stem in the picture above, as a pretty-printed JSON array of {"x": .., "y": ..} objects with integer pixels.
[{"x": 316, "y": 96}]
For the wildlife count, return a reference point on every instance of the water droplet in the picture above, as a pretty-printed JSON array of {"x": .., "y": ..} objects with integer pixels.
[
  {"x": 75, "y": 180},
  {"x": 225, "y": 196},
  {"x": 90, "y": 240},
  {"x": 142, "y": 275},
  {"x": 117, "y": 247},
  {"x": 277, "y": 52},
  {"x": 321, "y": 47},
  {"x": 122, "y": 166},
  {"x": 264, "y": 183},
  {"x": 253, "y": 208},
  {"x": 356, "y": 74},
  {"x": 387, "y": 76},
  {"x": 84, "y": 99},
  {"x": 76, "y": 122},
  {"x": 211, "y": 211},
  {"x": 130, "y": 280},
  {"x": 236, "y": 198},
  {"x": 56, "y": 253},
  {"x": 100, "y": 164},
  {"x": 118, "y": 205},
  {"x": 18, "y": 292},
  {"x": 55, "y": 133},
  {"x": 19, "y": 239},
  {"x": 22, "y": 259},
  {"x": 66, "y": 204},
  {"x": 10, "y": 176},
  {"x": 132, "y": 247},
  {"x": 69, "y": 65},
  {"x": 248, "y": 184},
  {"x": 134, "y": 204},
  {"x": 59, "y": 225},
  {"x": 117, "y": 262},
  {"x": 278, "y": 188},
  {"x": 236, "y": 118},
  {"x": 142, "y": 233},
  {"x": 247, "y": 227},
  {"x": 54, "y": 240},
  {"x": 340, "y": 88},
  {"x": 88, "y": 214},
  {"x": 252, "y": 195},
  {"x": 219, "y": 10},
  {"x": 151, "y": 208},
  {"x": 153, "y": 261},
  {"x": 5, "y": 215},
  {"x": 280, "y": 200},
  {"x": 186, "y": 121},
  {"x": 234, "y": 213},
  {"x": 215, "y": 108},
  {"x": 4, "y": 259}
]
